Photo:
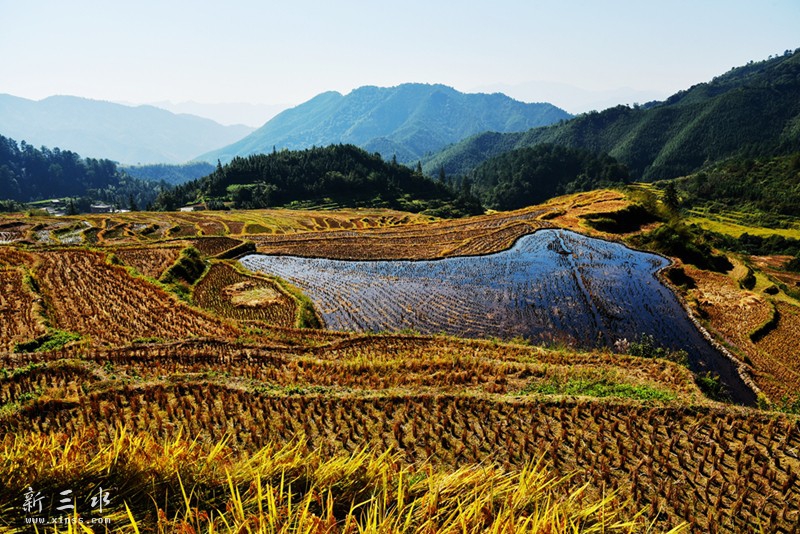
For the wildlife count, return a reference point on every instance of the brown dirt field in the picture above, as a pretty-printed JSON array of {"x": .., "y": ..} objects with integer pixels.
[
  {"x": 14, "y": 257},
  {"x": 211, "y": 246}
]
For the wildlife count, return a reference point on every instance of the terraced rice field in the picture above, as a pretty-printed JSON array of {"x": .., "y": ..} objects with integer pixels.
[
  {"x": 148, "y": 227},
  {"x": 169, "y": 404},
  {"x": 19, "y": 313},
  {"x": 229, "y": 293},
  {"x": 765, "y": 330},
  {"x": 729, "y": 223},
  {"x": 773, "y": 266},
  {"x": 103, "y": 302},
  {"x": 12, "y": 231},
  {"x": 716, "y": 468},
  {"x": 479, "y": 235},
  {"x": 149, "y": 261}
]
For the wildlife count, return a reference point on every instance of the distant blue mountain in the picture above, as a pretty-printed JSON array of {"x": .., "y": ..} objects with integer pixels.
[
  {"x": 407, "y": 121},
  {"x": 131, "y": 135}
]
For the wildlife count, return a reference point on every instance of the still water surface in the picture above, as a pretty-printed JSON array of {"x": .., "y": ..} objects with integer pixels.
[{"x": 552, "y": 286}]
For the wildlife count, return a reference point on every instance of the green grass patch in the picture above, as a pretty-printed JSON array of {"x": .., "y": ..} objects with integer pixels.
[
  {"x": 748, "y": 281},
  {"x": 53, "y": 340},
  {"x": 255, "y": 228},
  {"x": 712, "y": 386},
  {"x": 182, "y": 275},
  {"x": 306, "y": 316},
  {"x": 598, "y": 388},
  {"x": 727, "y": 226},
  {"x": 676, "y": 239}
]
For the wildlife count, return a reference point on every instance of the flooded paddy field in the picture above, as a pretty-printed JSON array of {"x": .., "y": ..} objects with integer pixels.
[{"x": 552, "y": 287}]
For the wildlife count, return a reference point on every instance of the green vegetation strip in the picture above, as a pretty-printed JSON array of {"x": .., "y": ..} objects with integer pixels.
[
  {"x": 761, "y": 331},
  {"x": 53, "y": 340},
  {"x": 748, "y": 281},
  {"x": 188, "y": 268},
  {"x": 598, "y": 388},
  {"x": 182, "y": 275},
  {"x": 307, "y": 316},
  {"x": 736, "y": 230},
  {"x": 247, "y": 247}
]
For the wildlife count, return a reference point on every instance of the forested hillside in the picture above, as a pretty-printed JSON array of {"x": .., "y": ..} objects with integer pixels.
[
  {"x": 406, "y": 122},
  {"x": 767, "y": 185},
  {"x": 343, "y": 175},
  {"x": 532, "y": 175},
  {"x": 751, "y": 111},
  {"x": 28, "y": 174}
]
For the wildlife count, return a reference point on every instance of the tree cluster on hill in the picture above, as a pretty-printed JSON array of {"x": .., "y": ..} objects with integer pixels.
[
  {"x": 689, "y": 243},
  {"x": 531, "y": 175},
  {"x": 751, "y": 111},
  {"x": 756, "y": 245},
  {"x": 344, "y": 174},
  {"x": 7, "y": 206},
  {"x": 29, "y": 174},
  {"x": 767, "y": 185}
]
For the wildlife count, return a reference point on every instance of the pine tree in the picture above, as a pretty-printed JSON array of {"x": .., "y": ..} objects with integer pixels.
[{"x": 671, "y": 200}]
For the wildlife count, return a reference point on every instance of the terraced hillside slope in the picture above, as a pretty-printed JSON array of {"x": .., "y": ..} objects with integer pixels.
[{"x": 224, "y": 416}]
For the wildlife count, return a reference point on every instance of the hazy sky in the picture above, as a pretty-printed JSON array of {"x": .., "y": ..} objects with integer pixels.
[{"x": 270, "y": 52}]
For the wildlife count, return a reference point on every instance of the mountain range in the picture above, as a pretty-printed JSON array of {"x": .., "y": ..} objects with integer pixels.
[
  {"x": 573, "y": 99},
  {"x": 228, "y": 113},
  {"x": 92, "y": 128},
  {"x": 406, "y": 122},
  {"x": 750, "y": 111}
]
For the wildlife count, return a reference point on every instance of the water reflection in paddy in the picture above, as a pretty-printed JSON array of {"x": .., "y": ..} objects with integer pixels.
[{"x": 553, "y": 286}]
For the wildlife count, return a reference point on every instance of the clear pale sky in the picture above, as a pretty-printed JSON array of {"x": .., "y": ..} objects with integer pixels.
[{"x": 270, "y": 52}]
